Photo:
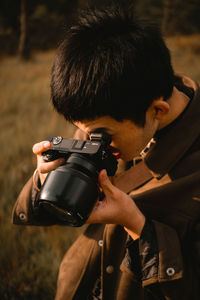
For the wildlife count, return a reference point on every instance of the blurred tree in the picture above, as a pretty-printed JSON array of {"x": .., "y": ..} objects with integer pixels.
[
  {"x": 169, "y": 12},
  {"x": 150, "y": 9},
  {"x": 104, "y": 3},
  {"x": 24, "y": 49},
  {"x": 47, "y": 19},
  {"x": 9, "y": 25},
  {"x": 181, "y": 16}
]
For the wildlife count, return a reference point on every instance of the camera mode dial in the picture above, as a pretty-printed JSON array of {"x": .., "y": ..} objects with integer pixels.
[{"x": 57, "y": 140}]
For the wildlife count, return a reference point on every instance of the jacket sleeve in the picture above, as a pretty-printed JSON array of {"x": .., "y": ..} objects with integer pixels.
[
  {"x": 24, "y": 211},
  {"x": 168, "y": 264},
  {"x": 172, "y": 268},
  {"x": 151, "y": 257},
  {"x": 142, "y": 254}
]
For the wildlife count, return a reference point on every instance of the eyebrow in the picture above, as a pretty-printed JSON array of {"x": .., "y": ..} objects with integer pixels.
[{"x": 98, "y": 130}]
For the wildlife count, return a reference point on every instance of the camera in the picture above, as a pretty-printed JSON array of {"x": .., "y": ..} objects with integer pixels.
[{"x": 70, "y": 192}]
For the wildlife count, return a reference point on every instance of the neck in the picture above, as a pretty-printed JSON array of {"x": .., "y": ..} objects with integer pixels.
[{"x": 177, "y": 102}]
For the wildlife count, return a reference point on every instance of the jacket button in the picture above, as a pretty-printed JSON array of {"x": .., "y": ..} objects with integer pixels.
[
  {"x": 22, "y": 216},
  {"x": 100, "y": 242},
  {"x": 109, "y": 269},
  {"x": 170, "y": 271}
]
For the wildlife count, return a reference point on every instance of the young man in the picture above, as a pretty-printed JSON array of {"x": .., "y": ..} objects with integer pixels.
[{"x": 113, "y": 73}]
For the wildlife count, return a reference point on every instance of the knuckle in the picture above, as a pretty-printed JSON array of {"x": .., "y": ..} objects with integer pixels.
[
  {"x": 112, "y": 193},
  {"x": 38, "y": 148},
  {"x": 34, "y": 148},
  {"x": 39, "y": 169},
  {"x": 46, "y": 167},
  {"x": 53, "y": 165},
  {"x": 57, "y": 162}
]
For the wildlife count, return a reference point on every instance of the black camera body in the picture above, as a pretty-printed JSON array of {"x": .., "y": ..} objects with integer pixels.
[{"x": 70, "y": 192}]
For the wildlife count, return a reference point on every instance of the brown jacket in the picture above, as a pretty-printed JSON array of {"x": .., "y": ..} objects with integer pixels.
[{"x": 170, "y": 199}]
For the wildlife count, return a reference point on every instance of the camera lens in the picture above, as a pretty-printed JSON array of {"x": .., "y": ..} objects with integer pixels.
[{"x": 71, "y": 190}]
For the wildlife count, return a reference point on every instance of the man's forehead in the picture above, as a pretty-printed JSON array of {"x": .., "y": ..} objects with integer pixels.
[
  {"x": 95, "y": 130},
  {"x": 96, "y": 125}
]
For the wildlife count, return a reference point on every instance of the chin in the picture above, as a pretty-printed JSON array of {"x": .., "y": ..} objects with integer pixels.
[
  {"x": 126, "y": 159},
  {"x": 129, "y": 157}
]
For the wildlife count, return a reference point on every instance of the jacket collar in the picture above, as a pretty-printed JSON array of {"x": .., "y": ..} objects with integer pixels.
[{"x": 177, "y": 139}]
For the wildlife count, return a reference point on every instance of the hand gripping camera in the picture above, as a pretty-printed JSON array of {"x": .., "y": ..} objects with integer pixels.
[{"x": 70, "y": 191}]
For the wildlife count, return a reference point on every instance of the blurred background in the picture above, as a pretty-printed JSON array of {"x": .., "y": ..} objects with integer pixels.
[{"x": 30, "y": 31}]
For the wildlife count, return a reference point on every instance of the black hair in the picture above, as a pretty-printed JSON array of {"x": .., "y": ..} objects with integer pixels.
[{"x": 110, "y": 64}]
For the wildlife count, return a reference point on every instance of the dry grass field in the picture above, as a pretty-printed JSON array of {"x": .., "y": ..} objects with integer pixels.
[{"x": 29, "y": 256}]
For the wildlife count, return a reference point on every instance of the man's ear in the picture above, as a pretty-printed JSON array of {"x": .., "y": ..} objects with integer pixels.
[{"x": 160, "y": 108}]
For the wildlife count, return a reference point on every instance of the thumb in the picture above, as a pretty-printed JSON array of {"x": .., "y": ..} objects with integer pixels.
[{"x": 105, "y": 182}]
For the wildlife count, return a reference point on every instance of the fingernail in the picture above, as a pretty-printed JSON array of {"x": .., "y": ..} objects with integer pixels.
[
  {"x": 104, "y": 174},
  {"x": 46, "y": 144}
]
